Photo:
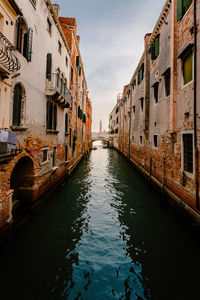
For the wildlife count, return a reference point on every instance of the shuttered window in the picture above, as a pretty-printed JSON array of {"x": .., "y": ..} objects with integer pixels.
[
  {"x": 182, "y": 7},
  {"x": 66, "y": 123},
  {"x": 188, "y": 152},
  {"x": 155, "y": 48},
  {"x": 187, "y": 68},
  {"x": 141, "y": 74},
  {"x": 77, "y": 61},
  {"x": 28, "y": 40},
  {"x": 48, "y": 66},
  {"x": 16, "y": 121},
  {"x": 51, "y": 116}
]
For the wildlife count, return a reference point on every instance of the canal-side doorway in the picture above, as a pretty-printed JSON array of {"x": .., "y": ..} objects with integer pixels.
[{"x": 22, "y": 182}]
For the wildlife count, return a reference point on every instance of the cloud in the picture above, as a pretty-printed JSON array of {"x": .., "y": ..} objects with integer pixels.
[{"x": 112, "y": 41}]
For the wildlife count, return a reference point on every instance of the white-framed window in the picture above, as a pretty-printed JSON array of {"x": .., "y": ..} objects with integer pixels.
[{"x": 188, "y": 152}]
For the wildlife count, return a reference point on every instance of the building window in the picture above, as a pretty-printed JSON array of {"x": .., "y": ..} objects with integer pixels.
[
  {"x": 70, "y": 137},
  {"x": 33, "y": 2},
  {"x": 48, "y": 66},
  {"x": 72, "y": 75},
  {"x": 155, "y": 141},
  {"x": 187, "y": 68},
  {"x": 141, "y": 140},
  {"x": 117, "y": 120},
  {"x": 66, "y": 152},
  {"x": 133, "y": 139},
  {"x": 142, "y": 104},
  {"x": 49, "y": 26},
  {"x": 51, "y": 116},
  {"x": 44, "y": 155},
  {"x": 17, "y": 101},
  {"x": 66, "y": 61},
  {"x": 188, "y": 152},
  {"x": 155, "y": 89},
  {"x": 182, "y": 7},
  {"x": 167, "y": 82},
  {"x": 59, "y": 47},
  {"x": 77, "y": 62},
  {"x": 134, "y": 110},
  {"x": 141, "y": 74},
  {"x": 155, "y": 48},
  {"x": 54, "y": 156},
  {"x": 66, "y": 123},
  {"x": 24, "y": 38}
]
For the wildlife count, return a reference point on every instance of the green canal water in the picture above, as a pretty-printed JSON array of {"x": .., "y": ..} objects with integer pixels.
[{"x": 104, "y": 234}]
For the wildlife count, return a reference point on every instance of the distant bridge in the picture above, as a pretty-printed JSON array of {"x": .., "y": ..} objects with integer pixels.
[{"x": 101, "y": 138}]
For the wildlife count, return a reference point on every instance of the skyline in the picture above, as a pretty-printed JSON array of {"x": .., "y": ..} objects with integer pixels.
[{"x": 109, "y": 64}]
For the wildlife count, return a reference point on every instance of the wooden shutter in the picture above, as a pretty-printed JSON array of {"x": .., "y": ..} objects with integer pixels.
[
  {"x": 48, "y": 66},
  {"x": 54, "y": 117},
  {"x": 29, "y": 44},
  {"x": 153, "y": 51},
  {"x": 157, "y": 46},
  {"x": 66, "y": 122},
  {"x": 187, "y": 68},
  {"x": 17, "y": 105},
  {"x": 179, "y": 9},
  {"x": 186, "y": 3},
  {"x": 49, "y": 115}
]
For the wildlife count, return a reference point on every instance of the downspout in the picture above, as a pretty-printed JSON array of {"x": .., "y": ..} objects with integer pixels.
[{"x": 195, "y": 109}]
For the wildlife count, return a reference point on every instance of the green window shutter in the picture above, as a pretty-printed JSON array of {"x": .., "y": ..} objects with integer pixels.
[
  {"x": 187, "y": 3},
  {"x": 28, "y": 40},
  {"x": 54, "y": 117},
  {"x": 17, "y": 105},
  {"x": 48, "y": 66},
  {"x": 49, "y": 115},
  {"x": 179, "y": 9},
  {"x": 157, "y": 46},
  {"x": 153, "y": 51},
  {"x": 66, "y": 122}
]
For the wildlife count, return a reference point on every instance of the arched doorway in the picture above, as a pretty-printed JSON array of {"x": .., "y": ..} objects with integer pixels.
[{"x": 21, "y": 181}]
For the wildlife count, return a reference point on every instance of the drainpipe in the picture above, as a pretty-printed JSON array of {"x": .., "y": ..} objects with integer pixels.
[
  {"x": 123, "y": 130},
  {"x": 195, "y": 108}
]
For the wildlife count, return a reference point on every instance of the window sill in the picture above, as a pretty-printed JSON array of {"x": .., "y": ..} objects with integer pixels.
[
  {"x": 187, "y": 84},
  {"x": 51, "y": 131},
  {"x": 18, "y": 128},
  {"x": 189, "y": 175},
  {"x": 54, "y": 169}
]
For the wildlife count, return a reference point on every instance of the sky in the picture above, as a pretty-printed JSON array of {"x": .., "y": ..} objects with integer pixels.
[{"x": 111, "y": 44}]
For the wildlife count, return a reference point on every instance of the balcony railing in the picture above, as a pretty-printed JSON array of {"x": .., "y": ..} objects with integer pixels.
[
  {"x": 9, "y": 147},
  {"x": 55, "y": 86},
  {"x": 7, "y": 55}
]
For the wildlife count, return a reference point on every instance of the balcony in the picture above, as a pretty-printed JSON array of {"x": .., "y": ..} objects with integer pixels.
[
  {"x": 57, "y": 89},
  {"x": 8, "y": 61},
  {"x": 8, "y": 145}
]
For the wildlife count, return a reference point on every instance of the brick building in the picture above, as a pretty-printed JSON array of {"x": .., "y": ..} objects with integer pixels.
[
  {"x": 43, "y": 132},
  {"x": 159, "y": 111}
]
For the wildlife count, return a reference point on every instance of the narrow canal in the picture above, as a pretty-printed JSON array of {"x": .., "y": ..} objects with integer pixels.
[{"x": 104, "y": 234}]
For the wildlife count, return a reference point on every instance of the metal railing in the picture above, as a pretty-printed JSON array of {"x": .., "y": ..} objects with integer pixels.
[
  {"x": 56, "y": 84},
  {"x": 7, "y": 55}
]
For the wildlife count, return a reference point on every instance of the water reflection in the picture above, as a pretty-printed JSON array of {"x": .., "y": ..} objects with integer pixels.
[{"x": 105, "y": 234}]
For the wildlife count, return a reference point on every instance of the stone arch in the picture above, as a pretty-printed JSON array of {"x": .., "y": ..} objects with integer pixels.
[
  {"x": 19, "y": 88},
  {"x": 22, "y": 184}
]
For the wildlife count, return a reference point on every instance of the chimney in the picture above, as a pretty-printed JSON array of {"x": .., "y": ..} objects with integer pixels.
[{"x": 57, "y": 9}]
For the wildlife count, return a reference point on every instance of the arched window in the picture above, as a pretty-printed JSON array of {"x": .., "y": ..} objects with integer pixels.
[
  {"x": 17, "y": 104},
  {"x": 24, "y": 38}
]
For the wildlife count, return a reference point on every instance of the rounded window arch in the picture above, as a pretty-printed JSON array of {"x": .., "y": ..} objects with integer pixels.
[
  {"x": 18, "y": 104},
  {"x": 21, "y": 31}
]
